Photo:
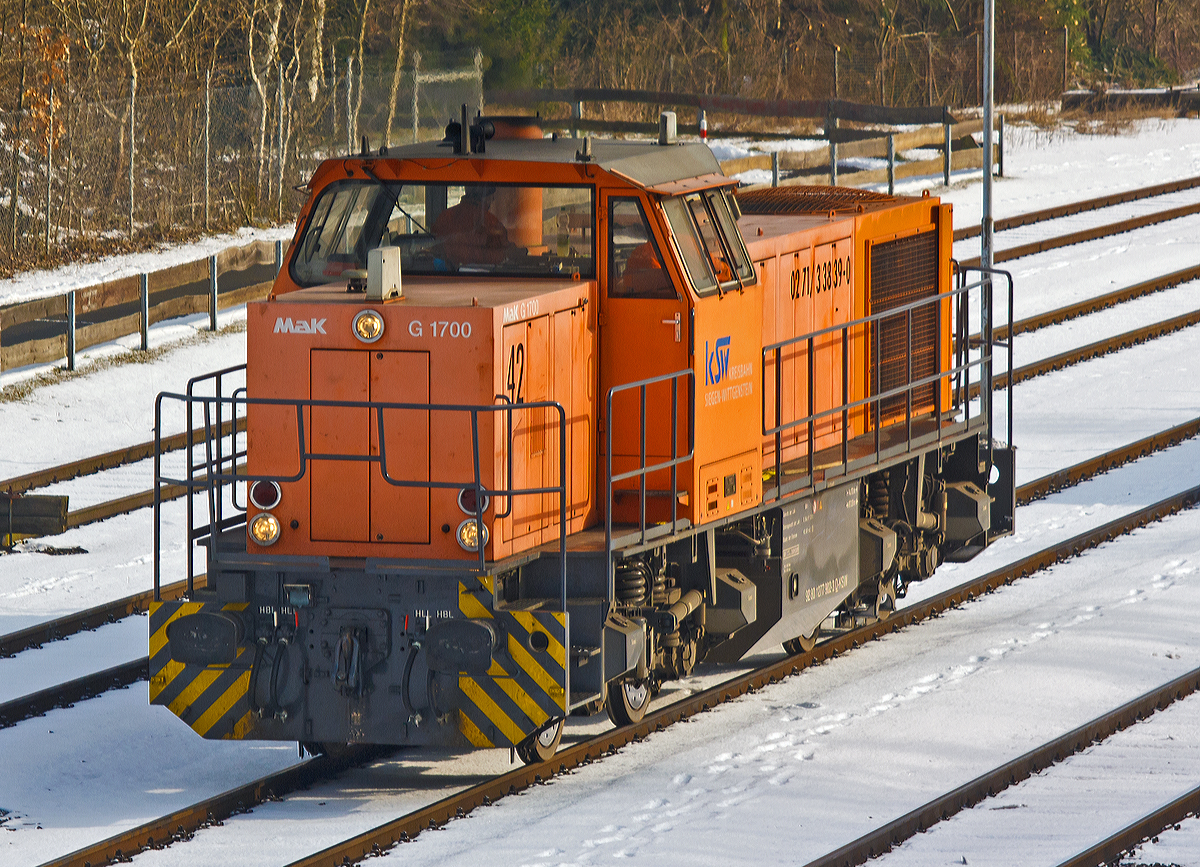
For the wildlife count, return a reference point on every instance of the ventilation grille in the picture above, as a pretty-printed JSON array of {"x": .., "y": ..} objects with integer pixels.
[
  {"x": 807, "y": 200},
  {"x": 904, "y": 271}
]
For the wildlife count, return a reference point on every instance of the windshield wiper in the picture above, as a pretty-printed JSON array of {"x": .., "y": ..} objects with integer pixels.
[{"x": 395, "y": 198}]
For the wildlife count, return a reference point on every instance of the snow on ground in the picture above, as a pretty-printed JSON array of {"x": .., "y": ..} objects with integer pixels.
[
  {"x": 819, "y": 758},
  {"x": 1061, "y": 811},
  {"x": 112, "y": 405},
  {"x": 29, "y": 285}
]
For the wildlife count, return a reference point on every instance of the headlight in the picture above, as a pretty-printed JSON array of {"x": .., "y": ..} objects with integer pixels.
[
  {"x": 466, "y": 501},
  {"x": 264, "y": 529},
  {"x": 471, "y": 534},
  {"x": 265, "y": 495},
  {"x": 368, "y": 326}
]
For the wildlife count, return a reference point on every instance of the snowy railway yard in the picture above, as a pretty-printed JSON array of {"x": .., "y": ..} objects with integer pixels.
[{"x": 792, "y": 771}]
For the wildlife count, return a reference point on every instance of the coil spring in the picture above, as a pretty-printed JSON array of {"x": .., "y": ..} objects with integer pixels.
[
  {"x": 878, "y": 495},
  {"x": 630, "y": 582},
  {"x": 658, "y": 592}
]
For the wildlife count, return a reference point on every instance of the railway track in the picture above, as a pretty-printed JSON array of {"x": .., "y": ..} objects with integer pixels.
[
  {"x": 1092, "y": 305},
  {"x": 886, "y": 837},
  {"x": 1110, "y": 850},
  {"x": 1040, "y": 216},
  {"x": 1099, "y": 348},
  {"x": 107, "y": 461},
  {"x": 183, "y": 823},
  {"x": 1092, "y": 234}
]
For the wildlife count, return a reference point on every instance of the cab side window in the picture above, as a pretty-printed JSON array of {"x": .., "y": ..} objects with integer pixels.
[{"x": 635, "y": 265}]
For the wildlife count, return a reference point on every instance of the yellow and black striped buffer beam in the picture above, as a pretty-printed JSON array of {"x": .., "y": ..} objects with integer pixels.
[
  {"x": 526, "y": 685},
  {"x": 212, "y": 698}
]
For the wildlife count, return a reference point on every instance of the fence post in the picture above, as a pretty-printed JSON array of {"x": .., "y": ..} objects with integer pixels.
[
  {"x": 775, "y": 168},
  {"x": 212, "y": 292},
  {"x": 1000, "y": 161},
  {"x": 837, "y": 51},
  {"x": 49, "y": 166},
  {"x": 71, "y": 330},
  {"x": 145, "y": 298},
  {"x": 946, "y": 157},
  {"x": 891, "y": 157},
  {"x": 702, "y": 120},
  {"x": 416, "y": 92},
  {"x": 132, "y": 147},
  {"x": 207, "y": 142},
  {"x": 576, "y": 114},
  {"x": 831, "y": 125}
]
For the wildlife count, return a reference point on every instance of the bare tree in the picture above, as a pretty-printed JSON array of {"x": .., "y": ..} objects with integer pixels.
[{"x": 401, "y": 29}]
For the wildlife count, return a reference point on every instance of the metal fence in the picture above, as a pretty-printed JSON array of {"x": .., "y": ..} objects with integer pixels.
[
  {"x": 215, "y": 153},
  {"x": 913, "y": 70},
  {"x": 224, "y": 151}
]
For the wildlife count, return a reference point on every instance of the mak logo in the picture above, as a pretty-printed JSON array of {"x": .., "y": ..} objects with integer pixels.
[
  {"x": 717, "y": 361},
  {"x": 301, "y": 326}
]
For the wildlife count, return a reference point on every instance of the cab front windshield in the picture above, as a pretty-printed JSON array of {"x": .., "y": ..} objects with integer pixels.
[{"x": 441, "y": 229}]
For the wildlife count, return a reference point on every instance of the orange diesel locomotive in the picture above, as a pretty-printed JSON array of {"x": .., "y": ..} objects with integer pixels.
[{"x": 535, "y": 424}]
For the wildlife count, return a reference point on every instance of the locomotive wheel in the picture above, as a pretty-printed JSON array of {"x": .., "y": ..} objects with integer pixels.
[
  {"x": 885, "y": 599},
  {"x": 542, "y": 744},
  {"x": 627, "y": 701},
  {"x": 802, "y": 643}
]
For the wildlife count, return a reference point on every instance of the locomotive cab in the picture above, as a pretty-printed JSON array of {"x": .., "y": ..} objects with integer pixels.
[{"x": 533, "y": 425}]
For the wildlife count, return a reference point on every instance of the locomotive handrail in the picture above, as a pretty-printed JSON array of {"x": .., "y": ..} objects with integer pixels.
[
  {"x": 642, "y": 470},
  {"x": 987, "y": 336},
  {"x": 774, "y": 353},
  {"x": 221, "y": 469},
  {"x": 218, "y": 520}
]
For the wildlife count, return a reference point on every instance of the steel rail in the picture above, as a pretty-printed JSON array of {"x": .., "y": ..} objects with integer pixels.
[
  {"x": 892, "y": 834},
  {"x": 1092, "y": 234},
  {"x": 66, "y": 694},
  {"x": 1091, "y": 305},
  {"x": 388, "y": 835},
  {"x": 1110, "y": 460},
  {"x": 1031, "y": 217},
  {"x": 108, "y": 460},
  {"x": 1107, "y": 346},
  {"x": 183, "y": 823},
  {"x": 90, "y": 618},
  {"x": 1168, "y": 815}
]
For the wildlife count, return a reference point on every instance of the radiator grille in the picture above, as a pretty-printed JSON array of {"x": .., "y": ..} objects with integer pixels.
[
  {"x": 903, "y": 271},
  {"x": 807, "y": 200}
]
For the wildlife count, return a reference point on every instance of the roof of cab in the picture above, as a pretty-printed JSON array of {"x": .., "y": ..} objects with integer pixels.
[{"x": 648, "y": 163}]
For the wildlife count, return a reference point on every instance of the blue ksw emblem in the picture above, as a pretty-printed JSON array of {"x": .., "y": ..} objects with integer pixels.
[{"x": 717, "y": 361}]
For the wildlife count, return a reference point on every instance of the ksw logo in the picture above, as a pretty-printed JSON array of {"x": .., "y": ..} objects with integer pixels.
[
  {"x": 717, "y": 361},
  {"x": 310, "y": 326}
]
